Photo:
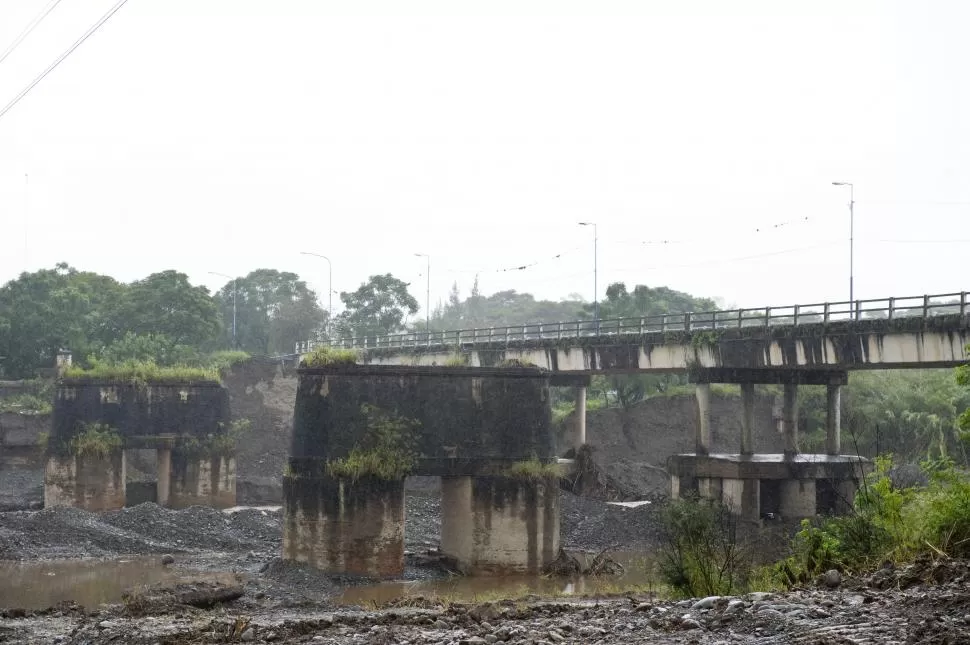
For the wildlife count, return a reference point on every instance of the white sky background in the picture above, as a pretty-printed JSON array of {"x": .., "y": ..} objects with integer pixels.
[{"x": 228, "y": 135}]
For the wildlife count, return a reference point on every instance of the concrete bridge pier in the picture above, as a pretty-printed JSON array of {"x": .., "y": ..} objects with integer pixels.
[
  {"x": 702, "y": 391},
  {"x": 91, "y": 482},
  {"x": 579, "y": 430},
  {"x": 789, "y": 420},
  {"x": 833, "y": 420},
  {"x": 498, "y": 524},
  {"x": 163, "y": 465},
  {"x": 747, "y": 418}
]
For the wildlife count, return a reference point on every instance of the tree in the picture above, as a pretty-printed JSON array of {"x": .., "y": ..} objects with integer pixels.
[
  {"x": 168, "y": 304},
  {"x": 963, "y": 379},
  {"x": 274, "y": 310},
  {"x": 379, "y": 306},
  {"x": 647, "y": 301},
  {"x": 158, "y": 349},
  {"x": 50, "y": 309}
]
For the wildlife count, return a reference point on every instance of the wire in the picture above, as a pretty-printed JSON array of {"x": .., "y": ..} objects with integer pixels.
[
  {"x": 29, "y": 28},
  {"x": 717, "y": 238},
  {"x": 737, "y": 259},
  {"x": 60, "y": 58}
]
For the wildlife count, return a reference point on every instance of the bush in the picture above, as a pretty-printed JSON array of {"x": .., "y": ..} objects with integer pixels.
[
  {"x": 96, "y": 440},
  {"x": 701, "y": 553},
  {"x": 324, "y": 356},
  {"x": 387, "y": 451},
  {"x": 141, "y": 373},
  {"x": 532, "y": 470}
]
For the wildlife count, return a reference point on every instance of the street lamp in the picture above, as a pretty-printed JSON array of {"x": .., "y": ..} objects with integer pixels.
[
  {"x": 851, "y": 236},
  {"x": 596, "y": 301},
  {"x": 427, "y": 314},
  {"x": 329, "y": 285},
  {"x": 234, "y": 345}
]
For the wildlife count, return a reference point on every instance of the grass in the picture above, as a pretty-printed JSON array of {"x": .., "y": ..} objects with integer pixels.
[
  {"x": 324, "y": 356},
  {"x": 532, "y": 470},
  {"x": 27, "y": 403},
  {"x": 142, "y": 373},
  {"x": 97, "y": 440},
  {"x": 223, "y": 444},
  {"x": 384, "y": 465}
]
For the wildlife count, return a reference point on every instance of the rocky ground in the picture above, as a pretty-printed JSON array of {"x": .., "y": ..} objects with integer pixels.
[{"x": 927, "y": 602}]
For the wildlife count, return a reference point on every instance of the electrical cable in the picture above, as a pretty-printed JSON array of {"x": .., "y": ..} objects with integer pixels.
[
  {"x": 29, "y": 28},
  {"x": 61, "y": 58}
]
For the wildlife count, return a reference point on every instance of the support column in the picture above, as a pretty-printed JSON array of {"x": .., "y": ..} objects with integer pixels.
[
  {"x": 202, "y": 480},
  {"x": 833, "y": 420},
  {"x": 163, "y": 461},
  {"x": 90, "y": 482},
  {"x": 703, "y": 433},
  {"x": 747, "y": 418},
  {"x": 797, "y": 498},
  {"x": 579, "y": 431},
  {"x": 789, "y": 419},
  {"x": 499, "y": 524}
]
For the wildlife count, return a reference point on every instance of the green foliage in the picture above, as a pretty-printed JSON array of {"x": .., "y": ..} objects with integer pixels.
[
  {"x": 222, "y": 444},
  {"x": 96, "y": 440},
  {"x": 648, "y": 301},
  {"x": 36, "y": 397},
  {"x": 274, "y": 310},
  {"x": 533, "y": 470},
  {"x": 500, "y": 309},
  {"x": 377, "y": 307},
  {"x": 141, "y": 373},
  {"x": 457, "y": 360},
  {"x": 388, "y": 450},
  {"x": 324, "y": 356},
  {"x": 700, "y": 550},
  {"x": 963, "y": 421}
]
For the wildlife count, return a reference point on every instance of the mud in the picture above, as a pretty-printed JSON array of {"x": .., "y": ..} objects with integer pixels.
[{"x": 928, "y": 602}]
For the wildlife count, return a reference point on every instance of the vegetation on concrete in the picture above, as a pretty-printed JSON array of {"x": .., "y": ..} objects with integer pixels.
[
  {"x": 532, "y": 469},
  {"x": 96, "y": 440},
  {"x": 221, "y": 444},
  {"x": 141, "y": 373},
  {"x": 325, "y": 356},
  {"x": 457, "y": 360},
  {"x": 388, "y": 450},
  {"x": 36, "y": 397}
]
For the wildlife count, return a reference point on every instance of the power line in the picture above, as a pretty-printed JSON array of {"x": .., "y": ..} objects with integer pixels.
[
  {"x": 60, "y": 58},
  {"x": 29, "y": 28}
]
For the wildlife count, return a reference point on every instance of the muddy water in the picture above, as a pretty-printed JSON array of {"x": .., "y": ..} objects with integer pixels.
[
  {"x": 638, "y": 574},
  {"x": 38, "y": 585}
]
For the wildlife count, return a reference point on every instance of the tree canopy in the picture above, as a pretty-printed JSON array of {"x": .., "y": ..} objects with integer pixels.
[{"x": 379, "y": 306}]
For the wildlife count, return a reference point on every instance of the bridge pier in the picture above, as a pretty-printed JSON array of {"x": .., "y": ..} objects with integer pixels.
[
  {"x": 702, "y": 391},
  {"x": 789, "y": 419},
  {"x": 579, "y": 430},
  {"x": 499, "y": 524},
  {"x": 833, "y": 420},
  {"x": 747, "y": 418}
]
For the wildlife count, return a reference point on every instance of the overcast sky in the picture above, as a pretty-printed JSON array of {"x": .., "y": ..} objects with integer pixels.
[{"x": 229, "y": 135}]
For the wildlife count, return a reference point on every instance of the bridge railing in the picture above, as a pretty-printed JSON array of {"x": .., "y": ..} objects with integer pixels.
[{"x": 825, "y": 312}]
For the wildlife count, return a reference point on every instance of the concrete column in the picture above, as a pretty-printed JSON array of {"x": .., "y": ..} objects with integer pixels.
[
  {"x": 163, "y": 461},
  {"x": 202, "y": 481},
  {"x": 579, "y": 431},
  {"x": 751, "y": 500},
  {"x": 499, "y": 524},
  {"x": 747, "y": 418},
  {"x": 732, "y": 494},
  {"x": 789, "y": 419},
  {"x": 344, "y": 527},
  {"x": 833, "y": 420},
  {"x": 710, "y": 488},
  {"x": 797, "y": 498},
  {"x": 89, "y": 482},
  {"x": 703, "y": 437}
]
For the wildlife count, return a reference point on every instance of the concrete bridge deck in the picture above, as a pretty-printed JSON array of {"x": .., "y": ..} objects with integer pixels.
[{"x": 741, "y": 345}]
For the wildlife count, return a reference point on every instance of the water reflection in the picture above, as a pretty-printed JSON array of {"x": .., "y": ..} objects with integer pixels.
[
  {"x": 638, "y": 574},
  {"x": 38, "y": 585}
]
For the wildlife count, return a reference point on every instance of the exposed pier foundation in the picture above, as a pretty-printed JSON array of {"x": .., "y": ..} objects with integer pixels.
[{"x": 88, "y": 482}]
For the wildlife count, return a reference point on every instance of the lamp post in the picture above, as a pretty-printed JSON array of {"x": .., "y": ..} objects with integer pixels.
[
  {"x": 234, "y": 344},
  {"x": 427, "y": 313},
  {"x": 851, "y": 237},
  {"x": 596, "y": 301},
  {"x": 329, "y": 287}
]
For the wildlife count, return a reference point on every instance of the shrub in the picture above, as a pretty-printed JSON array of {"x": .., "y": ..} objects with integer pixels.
[
  {"x": 532, "y": 470},
  {"x": 387, "y": 451},
  {"x": 700, "y": 551},
  {"x": 141, "y": 373},
  {"x": 96, "y": 440},
  {"x": 324, "y": 356}
]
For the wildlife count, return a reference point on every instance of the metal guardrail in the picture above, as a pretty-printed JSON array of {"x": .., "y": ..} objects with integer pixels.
[{"x": 825, "y": 312}]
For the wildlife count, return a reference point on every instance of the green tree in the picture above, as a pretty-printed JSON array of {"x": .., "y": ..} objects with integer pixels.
[
  {"x": 50, "y": 309},
  {"x": 647, "y": 301},
  {"x": 158, "y": 349},
  {"x": 963, "y": 379},
  {"x": 274, "y": 310},
  {"x": 167, "y": 304},
  {"x": 379, "y": 306}
]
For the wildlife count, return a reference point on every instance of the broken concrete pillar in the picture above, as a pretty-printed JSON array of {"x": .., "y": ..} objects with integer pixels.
[
  {"x": 163, "y": 465},
  {"x": 90, "y": 482},
  {"x": 579, "y": 430},
  {"x": 344, "y": 527},
  {"x": 500, "y": 524},
  {"x": 710, "y": 488},
  {"x": 798, "y": 498},
  {"x": 703, "y": 437},
  {"x": 206, "y": 480},
  {"x": 833, "y": 420},
  {"x": 747, "y": 418},
  {"x": 789, "y": 419}
]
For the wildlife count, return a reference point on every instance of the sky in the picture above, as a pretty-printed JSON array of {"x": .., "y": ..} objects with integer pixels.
[{"x": 702, "y": 138}]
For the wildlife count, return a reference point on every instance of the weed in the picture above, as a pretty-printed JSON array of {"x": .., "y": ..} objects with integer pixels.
[
  {"x": 96, "y": 440},
  {"x": 141, "y": 373},
  {"x": 325, "y": 356},
  {"x": 387, "y": 452},
  {"x": 532, "y": 470}
]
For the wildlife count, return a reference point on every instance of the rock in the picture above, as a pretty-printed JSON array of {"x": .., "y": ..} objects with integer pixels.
[
  {"x": 758, "y": 596},
  {"x": 248, "y": 635},
  {"x": 686, "y": 623},
  {"x": 491, "y": 638},
  {"x": 271, "y": 636},
  {"x": 832, "y": 578},
  {"x": 474, "y": 640},
  {"x": 733, "y": 607},
  {"x": 643, "y": 606},
  {"x": 705, "y": 603},
  {"x": 440, "y": 624},
  {"x": 168, "y": 559},
  {"x": 503, "y": 633},
  {"x": 555, "y": 636}
]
